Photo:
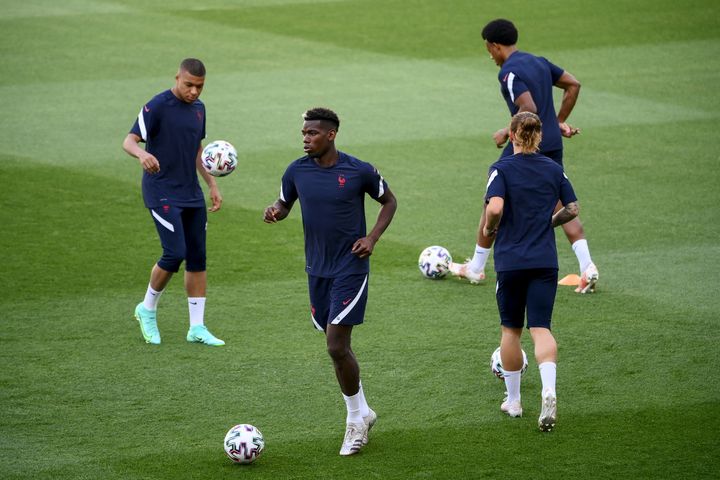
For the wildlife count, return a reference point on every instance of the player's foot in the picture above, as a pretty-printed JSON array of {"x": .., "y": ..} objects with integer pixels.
[
  {"x": 463, "y": 270},
  {"x": 548, "y": 413},
  {"x": 354, "y": 435},
  {"x": 514, "y": 408},
  {"x": 588, "y": 279},
  {"x": 148, "y": 324},
  {"x": 369, "y": 420},
  {"x": 200, "y": 334}
]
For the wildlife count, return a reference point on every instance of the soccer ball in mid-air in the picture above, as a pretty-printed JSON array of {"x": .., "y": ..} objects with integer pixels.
[
  {"x": 219, "y": 158},
  {"x": 244, "y": 443},
  {"x": 434, "y": 262},
  {"x": 496, "y": 364}
]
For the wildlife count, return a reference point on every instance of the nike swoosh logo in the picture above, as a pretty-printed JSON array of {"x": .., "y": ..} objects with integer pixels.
[
  {"x": 146, "y": 108},
  {"x": 345, "y": 302},
  {"x": 193, "y": 303}
]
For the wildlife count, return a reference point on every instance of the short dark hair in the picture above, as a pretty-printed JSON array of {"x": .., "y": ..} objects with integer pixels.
[
  {"x": 193, "y": 66},
  {"x": 500, "y": 31},
  {"x": 324, "y": 114}
]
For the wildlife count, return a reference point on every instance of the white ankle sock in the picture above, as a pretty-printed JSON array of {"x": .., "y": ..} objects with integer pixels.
[
  {"x": 582, "y": 252},
  {"x": 151, "y": 298},
  {"x": 547, "y": 375},
  {"x": 353, "y": 408},
  {"x": 364, "y": 408},
  {"x": 196, "y": 305},
  {"x": 477, "y": 264},
  {"x": 512, "y": 384}
]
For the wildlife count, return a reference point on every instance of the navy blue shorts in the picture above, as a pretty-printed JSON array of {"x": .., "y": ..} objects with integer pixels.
[
  {"x": 338, "y": 301},
  {"x": 534, "y": 290},
  {"x": 182, "y": 232},
  {"x": 556, "y": 155}
]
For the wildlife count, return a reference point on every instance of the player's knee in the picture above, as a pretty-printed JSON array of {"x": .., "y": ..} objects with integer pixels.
[
  {"x": 195, "y": 263},
  {"x": 338, "y": 351},
  {"x": 171, "y": 259}
]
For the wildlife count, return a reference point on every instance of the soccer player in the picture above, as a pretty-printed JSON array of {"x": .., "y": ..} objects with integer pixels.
[
  {"x": 331, "y": 186},
  {"x": 526, "y": 83},
  {"x": 172, "y": 126},
  {"x": 523, "y": 191}
]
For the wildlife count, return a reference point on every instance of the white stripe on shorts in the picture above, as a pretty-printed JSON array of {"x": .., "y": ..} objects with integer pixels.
[
  {"x": 349, "y": 308},
  {"x": 163, "y": 222},
  {"x": 317, "y": 325}
]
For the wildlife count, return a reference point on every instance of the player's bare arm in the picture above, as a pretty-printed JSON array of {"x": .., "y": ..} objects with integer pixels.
[
  {"x": 493, "y": 215},
  {"x": 565, "y": 214},
  {"x": 571, "y": 90},
  {"x": 365, "y": 246},
  {"x": 276, "y": 212},
  {"x": 215, "y": 196},
  {"x": 148, "y": 161},
  {"x": 525, "y": 103}
]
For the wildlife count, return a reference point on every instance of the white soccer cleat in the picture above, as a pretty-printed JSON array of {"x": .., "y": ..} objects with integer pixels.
[
  {"x": 588, "y": 279},
  {"x": 353, "y": 441},
  {"x": 463, "y": 270},
  {"x": 369, "y": 420},
  {"x": 548, "y": 413},
  {"x": 514, "y": 409}
]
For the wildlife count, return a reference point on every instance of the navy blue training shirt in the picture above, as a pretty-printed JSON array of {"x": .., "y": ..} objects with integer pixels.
[
  {"x": 172, "y": 131},
  {"x": 333, "y": 211},
  {"x": 524, "y": 72},
  {"x": 531, "y": 185}
]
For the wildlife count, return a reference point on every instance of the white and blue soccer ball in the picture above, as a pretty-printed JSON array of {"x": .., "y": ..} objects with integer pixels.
[
  {"x": 496, "y": 364},
  {"x": 219, "y": 158},
  {"x": 434, "y": 262},
  {"x": 244, "y": 443}
]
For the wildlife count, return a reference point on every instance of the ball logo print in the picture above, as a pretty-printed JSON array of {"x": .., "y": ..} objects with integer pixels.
[
  {"x": 243, "y": 443},
  {"x": 219, "y": 158},
  {"x": 434, "y": 262}
]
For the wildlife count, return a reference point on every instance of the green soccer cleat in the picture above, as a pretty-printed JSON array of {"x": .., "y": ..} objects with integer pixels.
[
  {"x": 200, "y": 334},
  {"x": 148, "y": 324}
]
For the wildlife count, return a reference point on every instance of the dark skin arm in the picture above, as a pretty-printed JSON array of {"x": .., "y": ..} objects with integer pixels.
[
  {"x": 525, "y": 103},
  {"x": 365, "y": 246},
  {"x": 571, "y": 89}
]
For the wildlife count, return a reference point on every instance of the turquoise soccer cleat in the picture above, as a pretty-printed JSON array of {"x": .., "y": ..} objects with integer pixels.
[
  {"x": 148, "y": 324},
  {"x": 200, "y": 334}
]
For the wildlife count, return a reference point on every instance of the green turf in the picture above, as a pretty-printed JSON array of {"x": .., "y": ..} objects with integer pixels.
[{"x": 83, "y": 397}]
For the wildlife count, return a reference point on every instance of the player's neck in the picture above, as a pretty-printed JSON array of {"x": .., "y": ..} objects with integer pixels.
[
  {"x": 506, "y": 52},
  {"x": 328, "y": 159}
]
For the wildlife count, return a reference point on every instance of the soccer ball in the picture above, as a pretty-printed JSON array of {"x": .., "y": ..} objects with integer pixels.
[
  {"x": 496, "y": 364},
  {"x": 434, "y": 262},
  {"x": 243, "y": 443},
  {"x": 219, "y": 158}
]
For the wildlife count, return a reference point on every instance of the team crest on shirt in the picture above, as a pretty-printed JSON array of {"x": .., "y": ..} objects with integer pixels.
[
  {"x": 199, "y": 115},
  {"x": 341, "y": 181},
  {"x": 166, "y": 208}
]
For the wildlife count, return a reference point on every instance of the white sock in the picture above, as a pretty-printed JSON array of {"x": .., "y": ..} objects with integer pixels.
[
  {"x": 364, "y": 408},
  {"x": 547, "y": 375},
  {"x": 582, "y": 252},
  {"x": 353, "y": 408},
  {"x": 196, "y": 305},
  {"x": 477, "y": 264},
  {"x": 512, "y": 384},
  {"x": 151, "y": 298}
]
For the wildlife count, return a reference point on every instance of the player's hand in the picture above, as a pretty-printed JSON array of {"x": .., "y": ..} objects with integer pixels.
[
  {"x": 489, "y": 233},
  {"x": 215, "y": 198},
  {"x": 363, "y": 247},
  {"x": 271, "y": 214},
  {"x": 568, "y": 131},
  {"x": 500, "y": 137},
  {"x": 149, "y": 163}
]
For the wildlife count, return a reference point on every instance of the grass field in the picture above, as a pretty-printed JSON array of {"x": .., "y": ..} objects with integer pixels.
[{"x": 83, "y": 397}]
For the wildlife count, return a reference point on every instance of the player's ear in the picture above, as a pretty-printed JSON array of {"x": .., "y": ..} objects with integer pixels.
[{"x": 331, "y": 134}]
